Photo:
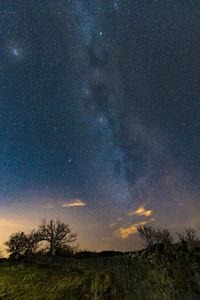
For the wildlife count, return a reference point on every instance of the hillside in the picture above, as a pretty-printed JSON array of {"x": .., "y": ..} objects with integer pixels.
[{"x": 160, "y": 272}]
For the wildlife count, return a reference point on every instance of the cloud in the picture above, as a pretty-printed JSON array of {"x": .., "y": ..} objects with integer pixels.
[
  {"x": 125, "y": 232},
  {"x": 141, "y": 212},
  {"x": 76, "y": 202},
  {"x": 112, "y": 224}
]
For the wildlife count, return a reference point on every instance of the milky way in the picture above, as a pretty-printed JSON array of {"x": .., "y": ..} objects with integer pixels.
[{"x": 100, "y": 107}]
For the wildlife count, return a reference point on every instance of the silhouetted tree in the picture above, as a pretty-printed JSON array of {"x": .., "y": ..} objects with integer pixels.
[
  {"x": 21, "y": 244},
  {"x": 16, "y": 244},
  {"x": 32, "y": 239},
  {"x": 188, "y": 236},
  {"x": 163, "y": 236},
  {"x": 148, "y": 234},
  {"x": 58, "y": 235}
]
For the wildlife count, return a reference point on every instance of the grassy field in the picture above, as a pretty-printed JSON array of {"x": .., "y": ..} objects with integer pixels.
[
  {"x": 26, "y": 281},
  {"x": 158, "y": 273}
]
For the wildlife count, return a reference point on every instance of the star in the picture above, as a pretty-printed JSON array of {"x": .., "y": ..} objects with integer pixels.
[
  {"x": 97, "y": 105},
  {"x": 15, "y": 51}
]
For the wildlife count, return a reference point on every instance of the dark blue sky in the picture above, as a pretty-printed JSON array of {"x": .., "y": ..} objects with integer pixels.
[{"x": 99, "y": 105}]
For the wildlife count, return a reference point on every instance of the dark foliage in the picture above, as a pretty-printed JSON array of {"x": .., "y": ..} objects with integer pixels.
[
  {"x": 152, "y": 236},
  {"x": 163, "y": 236},
  {"x": 20, "y": 244},
  {"x": 188, "y": 236},
  {"x": 86, "y": 254},
  {"x": 148, "y": 234},
  {"x": 110, "y": 253},
  {"x": 65, "y": 251}
]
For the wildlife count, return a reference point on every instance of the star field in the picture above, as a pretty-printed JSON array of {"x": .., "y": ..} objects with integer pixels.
[{"x": 99, "y": 106}]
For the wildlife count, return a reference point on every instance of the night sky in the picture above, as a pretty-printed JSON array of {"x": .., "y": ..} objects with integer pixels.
[{"x": 100, "y": 117}]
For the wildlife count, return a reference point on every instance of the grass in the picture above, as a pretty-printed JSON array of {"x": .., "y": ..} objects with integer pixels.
[
  {"x": 25, "y": 281},
  {"x": 160, "y": 272}
]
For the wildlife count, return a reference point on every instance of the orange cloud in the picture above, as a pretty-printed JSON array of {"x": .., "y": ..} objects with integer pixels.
[
  {"x": 76, "y": 202},
  {"x": 141, "y": 212},
  {"x": 112, "y": 224},
  {"x": 125, "y": 232}
]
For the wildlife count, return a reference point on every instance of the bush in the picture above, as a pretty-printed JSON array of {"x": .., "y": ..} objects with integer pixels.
[
  {"x": 164, "y": 236},
  {"x": 152, "y": 236},
  {"x": 188, "y": 236},
  {"x": 148, "y": 234}
]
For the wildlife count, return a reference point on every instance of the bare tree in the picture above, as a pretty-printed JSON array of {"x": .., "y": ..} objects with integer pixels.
[
  {"x": 32, "y": 239},
  {"x": 148, "y": 234},
  {"x": 57, "y": 235},
  {"x": 188, "y": 236},
  {"x": 21, "y": 244},
  {"x": 163, "y": 236}
]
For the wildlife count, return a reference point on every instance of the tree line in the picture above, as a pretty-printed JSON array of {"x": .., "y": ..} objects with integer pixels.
[
  {"x": 55, "y": 238},
  {"x": 152, "y": 236}
]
